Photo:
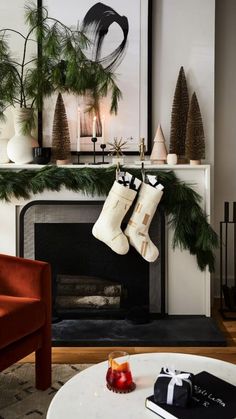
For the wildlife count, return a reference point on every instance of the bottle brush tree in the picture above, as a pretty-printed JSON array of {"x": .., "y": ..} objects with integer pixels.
[
  {"x": 195, "y": 139},
  {"x": 179, "y": 116},
  {"x": 60, "y": 132}
]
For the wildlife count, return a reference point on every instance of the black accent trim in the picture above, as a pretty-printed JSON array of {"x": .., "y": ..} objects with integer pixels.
[
  {"x": 149, "y": 98},
  {"x": 163, "y": 264},
  {"x": 40, "y": 111}
]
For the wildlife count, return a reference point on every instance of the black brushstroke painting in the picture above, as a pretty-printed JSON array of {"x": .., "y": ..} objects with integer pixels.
[
  {"x": 96, "y": 25},
  {"x": 97, "y": 22}
]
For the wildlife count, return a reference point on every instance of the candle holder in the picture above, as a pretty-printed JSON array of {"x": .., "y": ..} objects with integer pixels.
[
  {"x": 103, "y": 146},
  {"x": 94, "y": 140},
  {"x": 77, "y": 153}
]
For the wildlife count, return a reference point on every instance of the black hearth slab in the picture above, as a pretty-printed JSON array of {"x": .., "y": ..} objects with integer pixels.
[{"x": 170, "y": 331}]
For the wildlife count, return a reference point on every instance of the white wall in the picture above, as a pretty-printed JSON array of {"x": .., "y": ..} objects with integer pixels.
[
  {"x": 183, "y": 35},
  {"x": 225, "y": 113}
]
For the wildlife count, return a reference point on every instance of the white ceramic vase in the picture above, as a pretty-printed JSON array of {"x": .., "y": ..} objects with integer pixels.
[
  {"x": 19, "y": 147},
  {"x": 3, "y": 150},
  {"x": 172, "y": 158}
]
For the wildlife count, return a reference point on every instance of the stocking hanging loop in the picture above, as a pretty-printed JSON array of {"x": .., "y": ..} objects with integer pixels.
[
  {"x": 143, "y": 173},
  {"x": 117, "y": 170}
]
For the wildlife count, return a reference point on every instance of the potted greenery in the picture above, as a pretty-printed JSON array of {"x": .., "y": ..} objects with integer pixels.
[{"x": 62, "y": 66}]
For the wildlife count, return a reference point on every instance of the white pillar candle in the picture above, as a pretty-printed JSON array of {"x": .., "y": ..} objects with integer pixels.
[
  {"x": 78, "y": 131},
  {"x": 103, "y": 130},
  {"x": 94, "y": 126}
]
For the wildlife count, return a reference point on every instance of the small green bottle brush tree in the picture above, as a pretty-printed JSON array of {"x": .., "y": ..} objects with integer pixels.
[
  {"x": 195, "y": 139},
  {"x": 60, "y": 133},
  {"x": 62, "y": 66},
  {"x": 179, "y": 116}
]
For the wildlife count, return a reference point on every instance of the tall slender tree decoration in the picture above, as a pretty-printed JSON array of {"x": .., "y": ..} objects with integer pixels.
[
  {"x": 195, "y": 139},
  {"x": 60, "y": 133},
  {"x": 179, "y": 116}
]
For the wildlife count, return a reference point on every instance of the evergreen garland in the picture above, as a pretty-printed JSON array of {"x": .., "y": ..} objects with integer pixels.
[{"x": 180, "y": 202}]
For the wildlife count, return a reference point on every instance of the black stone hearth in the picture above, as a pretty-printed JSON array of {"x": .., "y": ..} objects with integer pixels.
[{"x": 169, "y": 331}]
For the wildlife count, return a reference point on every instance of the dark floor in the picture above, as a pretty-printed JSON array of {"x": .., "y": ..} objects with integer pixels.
[{"x": 170, "y": 331}]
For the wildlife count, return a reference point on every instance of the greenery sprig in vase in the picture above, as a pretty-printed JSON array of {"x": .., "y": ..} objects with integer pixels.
[{"x": 63, "y": 66}]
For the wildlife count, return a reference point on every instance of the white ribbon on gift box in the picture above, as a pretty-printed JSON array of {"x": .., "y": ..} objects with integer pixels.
[{"x": 177, "y": 379}]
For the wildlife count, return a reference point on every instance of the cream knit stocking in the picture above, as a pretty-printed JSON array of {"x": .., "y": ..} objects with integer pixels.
[
  {"x": 108, "y": 226},
  {"x": 138, "y": 226}
]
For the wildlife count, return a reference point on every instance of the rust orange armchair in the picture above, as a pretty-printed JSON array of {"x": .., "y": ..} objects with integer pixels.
[{"x": 25, "y": 314}]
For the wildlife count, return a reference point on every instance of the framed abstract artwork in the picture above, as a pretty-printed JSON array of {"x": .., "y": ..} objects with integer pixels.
[{"x": 119, "y": 34}]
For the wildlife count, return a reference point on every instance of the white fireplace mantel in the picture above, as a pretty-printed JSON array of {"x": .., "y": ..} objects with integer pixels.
[{"x": 188, "y": 289}]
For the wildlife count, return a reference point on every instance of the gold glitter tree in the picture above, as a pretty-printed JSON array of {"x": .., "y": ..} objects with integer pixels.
[
  {"x": 195, "y": 139},
  {"x": 179, "y": 116},
  {"x": 60, "y": 132}
]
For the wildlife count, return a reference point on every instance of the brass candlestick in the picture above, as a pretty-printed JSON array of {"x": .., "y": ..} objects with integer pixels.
[{"x": 142, "y": 149}]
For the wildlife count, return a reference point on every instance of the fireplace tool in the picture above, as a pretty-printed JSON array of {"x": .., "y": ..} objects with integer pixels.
[{"x": 227, "y": 290}]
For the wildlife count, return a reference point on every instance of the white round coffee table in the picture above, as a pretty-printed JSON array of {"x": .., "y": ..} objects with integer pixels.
[{"x": 85, "y": 395}]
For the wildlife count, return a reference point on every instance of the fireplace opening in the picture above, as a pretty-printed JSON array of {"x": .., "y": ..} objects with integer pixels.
[
  {"x": 77, "y": 258},
  {"x": 99, "y": 297},
  {"x": 60, "y": 232}
]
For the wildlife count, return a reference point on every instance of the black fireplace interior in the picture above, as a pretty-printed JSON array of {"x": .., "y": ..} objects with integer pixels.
[{"x": 72, "y": 250}]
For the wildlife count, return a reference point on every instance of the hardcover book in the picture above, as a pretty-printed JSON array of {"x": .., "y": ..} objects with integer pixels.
[{"x": 213, "y": 398}]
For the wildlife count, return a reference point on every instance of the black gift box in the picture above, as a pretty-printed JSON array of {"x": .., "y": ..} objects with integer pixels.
[{"x": 172, "y": 387}]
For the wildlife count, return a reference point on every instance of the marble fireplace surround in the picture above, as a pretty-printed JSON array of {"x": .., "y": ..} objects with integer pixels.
[{"x": 187, "y": 288}]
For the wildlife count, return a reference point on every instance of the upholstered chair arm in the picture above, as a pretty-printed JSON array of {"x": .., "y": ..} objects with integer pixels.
[{"x": 25, "y": 278}]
